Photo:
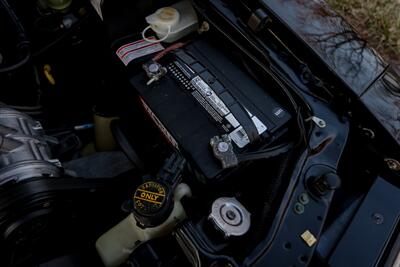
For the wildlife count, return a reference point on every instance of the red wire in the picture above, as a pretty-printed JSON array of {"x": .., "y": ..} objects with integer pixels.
[{"x": 167, "y": 50}]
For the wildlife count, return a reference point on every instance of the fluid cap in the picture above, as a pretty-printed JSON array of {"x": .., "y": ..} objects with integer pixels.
[
  {"x": 152, "y": 203},
  {"x": 163, "y": 18},
  {"x": 230, "y": 217}
]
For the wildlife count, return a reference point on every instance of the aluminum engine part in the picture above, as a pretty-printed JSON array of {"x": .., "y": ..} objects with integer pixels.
[{"x": 24, "y": 149}]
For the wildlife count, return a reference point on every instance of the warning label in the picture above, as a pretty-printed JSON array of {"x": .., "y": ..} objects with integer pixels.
[{"x": 134, "y": 50}]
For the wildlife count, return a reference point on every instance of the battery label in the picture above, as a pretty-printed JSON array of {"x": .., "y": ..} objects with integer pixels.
[
  {"x": 238, "y": 135},
  {"x": 214, "y": 105},
  {"x": 210, "y": 96}
]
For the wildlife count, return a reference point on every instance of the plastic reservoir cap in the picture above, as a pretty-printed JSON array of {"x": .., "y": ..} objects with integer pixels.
[
  {"x": 163, "y": 18},
  {"x": 152, "y": 203}
]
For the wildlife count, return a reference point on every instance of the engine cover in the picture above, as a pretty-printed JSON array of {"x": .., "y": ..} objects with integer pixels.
[{"x": 205, "y": 94}]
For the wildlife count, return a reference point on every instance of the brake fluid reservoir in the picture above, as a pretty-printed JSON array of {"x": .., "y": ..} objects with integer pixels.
[{"x": 174, "y": 22}]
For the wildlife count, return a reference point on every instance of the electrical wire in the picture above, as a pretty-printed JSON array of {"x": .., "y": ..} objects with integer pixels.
[
  {"x": 265, "y": 153},
  {"x": 279, "y": 81},
  {"x": 168, "y": 50},
  {"x": 295, "y": 107}
]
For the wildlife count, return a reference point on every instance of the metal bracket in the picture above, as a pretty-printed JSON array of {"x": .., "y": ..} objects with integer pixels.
[{"x": 318, "y": 121}]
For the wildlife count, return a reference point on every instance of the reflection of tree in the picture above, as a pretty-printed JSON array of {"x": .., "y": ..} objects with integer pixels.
[
  {"x": 344, "y": 43},
  {"x": 333, "y": 36},
  {"x": 350, "y": 56}
]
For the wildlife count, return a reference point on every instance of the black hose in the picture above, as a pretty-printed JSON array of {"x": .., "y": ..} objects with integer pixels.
[{"x": 23, "y": 43}]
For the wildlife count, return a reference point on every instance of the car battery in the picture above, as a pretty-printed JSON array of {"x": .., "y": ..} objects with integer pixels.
[{"x": 204, "y": 94}]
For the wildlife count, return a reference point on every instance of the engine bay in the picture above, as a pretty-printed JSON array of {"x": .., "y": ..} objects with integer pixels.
[{"x": 164, "y": 133}]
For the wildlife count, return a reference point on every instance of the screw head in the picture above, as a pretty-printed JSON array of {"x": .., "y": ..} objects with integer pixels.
[{"x": 378, "y": 218}]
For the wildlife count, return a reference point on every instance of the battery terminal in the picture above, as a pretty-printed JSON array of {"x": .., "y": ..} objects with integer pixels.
[{"x": 154, "y": 71}]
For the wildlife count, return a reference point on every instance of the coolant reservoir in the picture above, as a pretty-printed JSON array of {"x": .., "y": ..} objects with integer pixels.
[
  {"x": 174, "y": 22},
  {"x": 115, "y": 246}
]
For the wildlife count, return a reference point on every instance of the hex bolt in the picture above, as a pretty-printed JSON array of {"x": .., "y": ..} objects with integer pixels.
[
  {"x": 298, "y": 208},
  {"x": 223, "y": 147},
  {"x": 304, "y": 198},
  {"x": 154, "y": 68}
]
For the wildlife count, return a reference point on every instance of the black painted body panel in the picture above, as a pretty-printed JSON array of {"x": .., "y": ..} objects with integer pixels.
[{"x": 367, "y": 236}]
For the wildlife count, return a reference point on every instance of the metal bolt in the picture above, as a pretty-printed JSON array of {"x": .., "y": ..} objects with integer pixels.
[
  {"x": 154, "y": 68},
  {"x": 304, "y": 199},
  {"x": 393, "y": 164},
  {"x": 377, "y": 218},
  {"x": 230, "y": 214},
  {"x": 223, "y": 147},
  {"x": 298, "y": 208}
]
